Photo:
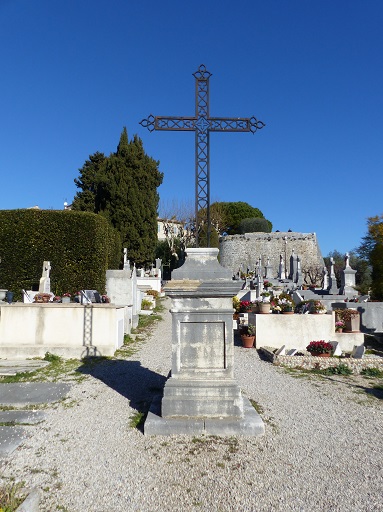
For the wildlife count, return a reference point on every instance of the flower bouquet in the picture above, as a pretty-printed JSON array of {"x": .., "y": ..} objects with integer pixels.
[{"x": 319, "y": 348}]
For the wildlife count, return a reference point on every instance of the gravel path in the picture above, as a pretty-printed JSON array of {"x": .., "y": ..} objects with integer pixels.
[{"x": 322, "y": 450}]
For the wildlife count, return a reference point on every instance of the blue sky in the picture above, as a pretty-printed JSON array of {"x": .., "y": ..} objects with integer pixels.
[{"x": 73, "y": 73}]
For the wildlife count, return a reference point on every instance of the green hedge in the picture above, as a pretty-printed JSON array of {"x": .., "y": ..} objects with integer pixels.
[{"x": 80, "y": 246}]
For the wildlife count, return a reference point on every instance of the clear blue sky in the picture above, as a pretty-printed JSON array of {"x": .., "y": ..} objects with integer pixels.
[{"x": 74, "y": 72}]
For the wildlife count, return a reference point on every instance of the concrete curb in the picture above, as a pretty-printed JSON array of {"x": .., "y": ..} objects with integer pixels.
[{"x": 31, "y": 502}]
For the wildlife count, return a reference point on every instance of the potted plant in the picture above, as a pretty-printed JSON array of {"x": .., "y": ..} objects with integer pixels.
[
  {"x": 42, "y": 297},
  {"x": 267, "y": 284},
  {"x": 248, "y": 335},
  {"x": 319, "y": 348},
  {"x": 339, "y": 326},
  {"x": 286, "y": 303},
  {"x": 245, "y": 306},
  {"x": 265, "y": 306},
  {"x": 66, "y": 297}
]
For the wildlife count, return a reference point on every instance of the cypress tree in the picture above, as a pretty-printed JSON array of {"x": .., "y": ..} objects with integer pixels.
[{"x": 125, "y": 192}]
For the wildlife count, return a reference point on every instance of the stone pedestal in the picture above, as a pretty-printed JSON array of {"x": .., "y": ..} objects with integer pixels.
[{"x": 202, "y": 396}]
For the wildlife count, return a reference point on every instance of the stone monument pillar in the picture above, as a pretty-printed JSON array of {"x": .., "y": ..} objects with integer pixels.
[
  {"x": 348, "y": 278},
  {"x": 332, "y": 287},
  {"x": 281, "y": 271},
  {"x": 202, "y": 395},
  {"x": 299, "y": 276}
]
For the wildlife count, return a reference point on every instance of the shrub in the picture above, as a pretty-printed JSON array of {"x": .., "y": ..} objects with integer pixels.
[
  {"x": 146, "y": 304},
  {"x": 253, "y": 225}
]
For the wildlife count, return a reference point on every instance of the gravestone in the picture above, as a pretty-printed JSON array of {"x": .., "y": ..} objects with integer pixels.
[
  {"x": 45, "y": 282},
  {"x": 337, "y": 351},
  {"x": 348, "y": 278},
  {"x": 126, "y": 261},
  {"x": 281, "y": 351},
  {"x": 358, "y": 352},
  {"x": 202, "y": 395}
]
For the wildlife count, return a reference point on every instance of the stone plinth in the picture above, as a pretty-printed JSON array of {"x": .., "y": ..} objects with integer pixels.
[{"x": 202, "y": 396}]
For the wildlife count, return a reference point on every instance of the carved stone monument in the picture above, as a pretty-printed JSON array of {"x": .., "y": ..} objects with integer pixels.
[
  {"x": 202, "y": 396},
  {"x": 45, "y": 282}
]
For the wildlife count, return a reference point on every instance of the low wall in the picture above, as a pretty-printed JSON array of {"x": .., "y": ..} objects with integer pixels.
[
  {"x": 69, "y": 330},
  {"x": 310, "y": 362},
  {"x": 296, "y": 331}
]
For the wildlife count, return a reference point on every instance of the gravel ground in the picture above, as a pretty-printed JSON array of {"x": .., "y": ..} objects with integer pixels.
[{"x": 322, "y": 450}]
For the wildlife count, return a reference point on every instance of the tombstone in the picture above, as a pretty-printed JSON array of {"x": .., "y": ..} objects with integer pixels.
[
  {"x": 93, "y": 296},
  {"x": 158, "y": 263},
  {"x": 202, "y": 396},
  {"x": 325, "y": 278},
  {"x": 358, "y": 352},
  {"x": 281, "y": 271},
  {"x": 293, "y": 266},
  {"x": 126, "y": 261},
  {"x": 299, "y": 275},
  {"x": 292, "y": 352},
  {"x": 45, "y": 282},
  {"x": 281, "y": 351},
  {"x": 332, "y": 287},
  {"x": 337, "y": 351},
  {"x": 348, "y": 278},
  {"x": 269, "y": 270}
]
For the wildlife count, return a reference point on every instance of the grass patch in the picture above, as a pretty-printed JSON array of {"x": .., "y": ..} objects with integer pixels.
[{"x": 11, "y": 496}]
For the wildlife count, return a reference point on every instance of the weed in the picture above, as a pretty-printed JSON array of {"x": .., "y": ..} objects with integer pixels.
[
  {"x": 137, "y": 419},
  {"x": 372, "y": 372},
  {"x": 257, "y": 407},
  {"x": 341, "y": 369},
  {"x": 11, "y": 496},
  {"x": 52, "y": 358}
]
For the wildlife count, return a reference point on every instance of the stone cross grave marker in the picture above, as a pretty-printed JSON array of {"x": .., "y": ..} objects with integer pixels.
[{"x": 45, "y": 282}]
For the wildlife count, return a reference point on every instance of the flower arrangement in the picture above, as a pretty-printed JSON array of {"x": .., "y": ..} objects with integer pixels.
[
  {"x": 67, "y": 294},
  {"x": 339, "y": 325},
  {"x": 267, "y": 284},
  {"x": 236, "y": 304},
  {"x": 105, "y": 299},
  {"x": 266, "y": 296},
  {"x": 276, "y": 308},
  {"x": 153, "y": 293},
  {"x": 245, "y": 306},
  {"x": 56, "y": 298},
  {"x": 284, "y": 302},
  {"x": 316, "y": 306},
  {"x": 319, "y": 347}
]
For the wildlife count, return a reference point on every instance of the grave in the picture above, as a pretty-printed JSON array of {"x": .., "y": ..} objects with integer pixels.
[{"x": 202, "y": 396}]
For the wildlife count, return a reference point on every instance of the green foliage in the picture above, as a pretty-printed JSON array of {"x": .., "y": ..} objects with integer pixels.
[
  {"x": 11, "y": 496},
  {"x": 52, "y": 358},
  {"x": 229, "y": 215},
  {"x": 253, "y": 225},
  {"x": 371, "y": 249},
  {"x": 357, "y": 262},
  {"x": 80, "y": 246},
  {"x": 372, "y": 372},
  {"x": 341, "y": 369},
  {"x": 123, "y": 189}
]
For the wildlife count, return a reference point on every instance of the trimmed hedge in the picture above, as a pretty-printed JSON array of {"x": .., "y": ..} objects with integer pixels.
[{"x": 81, "y": 246}]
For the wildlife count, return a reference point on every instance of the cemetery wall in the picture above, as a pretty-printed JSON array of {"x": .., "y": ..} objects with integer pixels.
[{"x": 242, "y": 251}]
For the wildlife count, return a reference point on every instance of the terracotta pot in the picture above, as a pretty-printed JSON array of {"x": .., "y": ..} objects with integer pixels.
[
  {"x": 339, "y": 330},
  {"x": 247, "y": 341},
  {"x": 316, "y": 354}
]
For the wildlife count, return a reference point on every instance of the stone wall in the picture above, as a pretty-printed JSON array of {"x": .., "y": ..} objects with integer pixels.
[{"x": 238, "y": 251}]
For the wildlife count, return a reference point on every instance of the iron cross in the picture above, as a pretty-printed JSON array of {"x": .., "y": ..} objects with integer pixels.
[{"x": 202, "y": 124}]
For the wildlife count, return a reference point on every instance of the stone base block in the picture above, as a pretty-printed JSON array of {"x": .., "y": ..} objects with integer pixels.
[{"x": 250, "y": 424}]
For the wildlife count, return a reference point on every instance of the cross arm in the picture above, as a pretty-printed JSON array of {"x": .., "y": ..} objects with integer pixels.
[
  {"x": 235, "y": 124},
  {"x": 169, "y": 123}
]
